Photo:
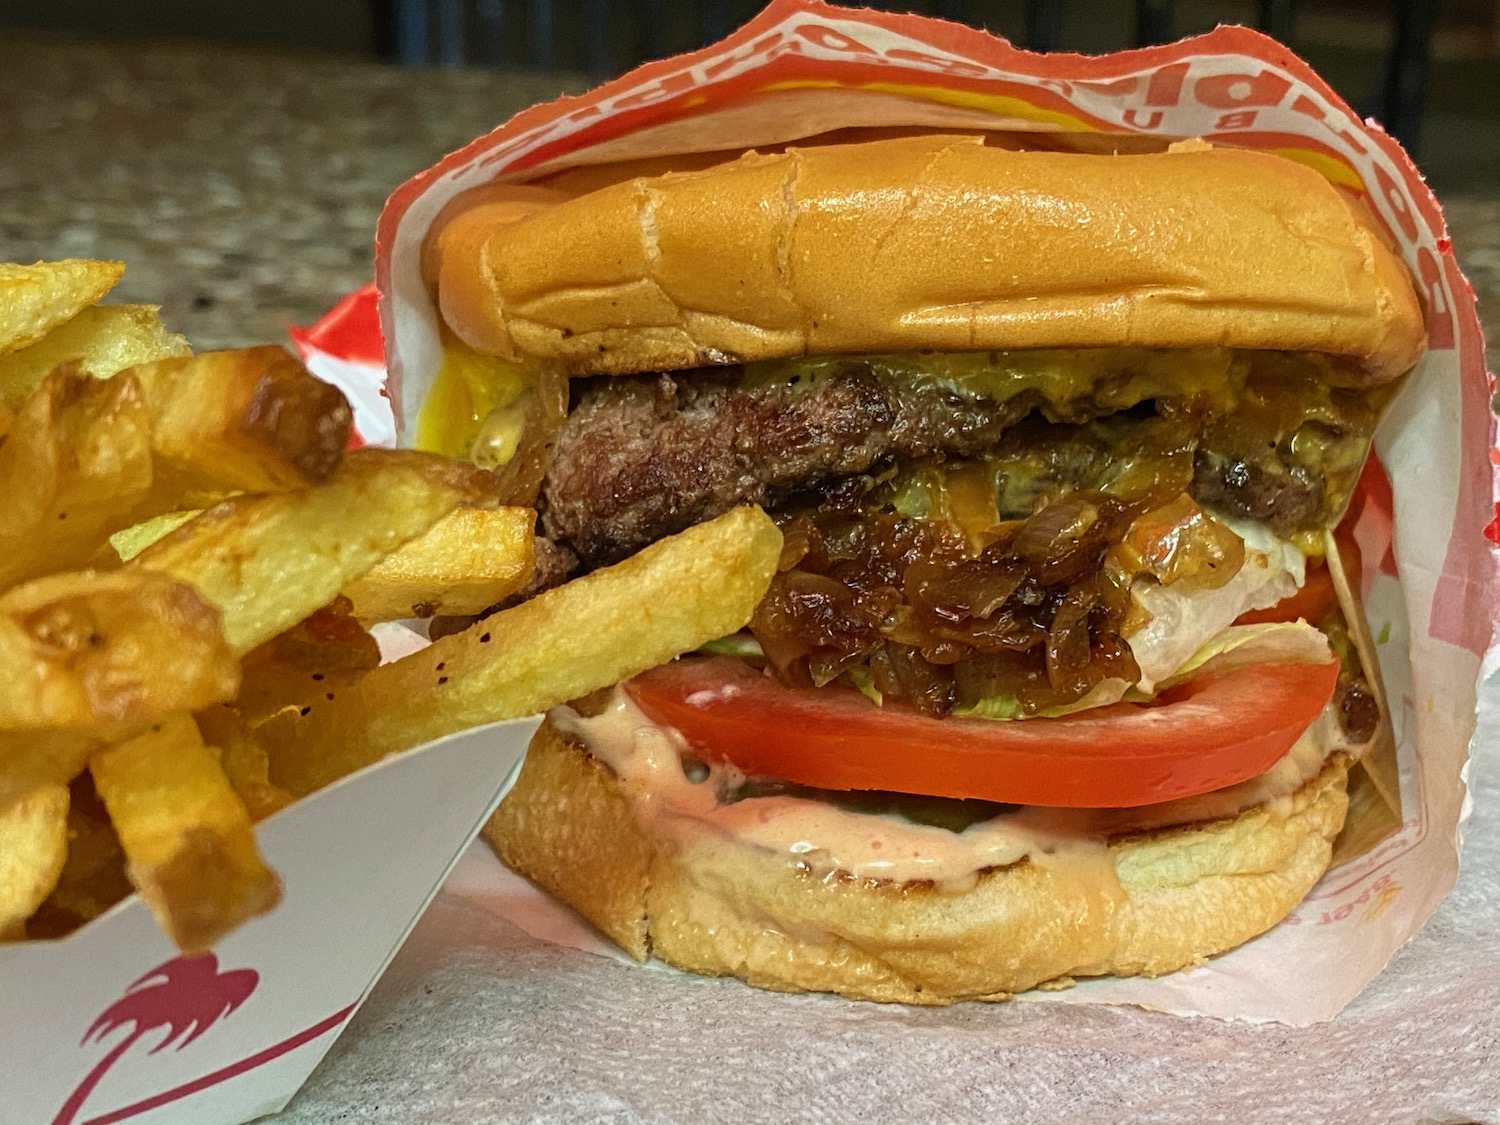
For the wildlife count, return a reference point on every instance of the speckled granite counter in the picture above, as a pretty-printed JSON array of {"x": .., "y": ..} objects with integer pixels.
[{"x": 241, "y": 186}]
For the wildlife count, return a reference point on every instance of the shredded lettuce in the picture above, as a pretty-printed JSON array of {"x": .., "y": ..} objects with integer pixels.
[
  {"x": 1272, "y": 642},
  {"x": 860, "y": 677},
  {"x": 1104, "y": 693},
  {"x": 736, "y": 644},
  {"x": 1185, "y": 617},
  {"x": 994, "y": 707}
]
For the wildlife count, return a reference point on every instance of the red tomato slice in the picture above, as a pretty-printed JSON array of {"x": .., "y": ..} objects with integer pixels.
[
  {"x": 1213, "y": 731},
  {"x": 1311, "y": 603},
  {"x": 1317, "y": 597}
]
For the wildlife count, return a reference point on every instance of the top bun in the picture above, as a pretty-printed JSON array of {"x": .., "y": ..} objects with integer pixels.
[{"x": 932, "y": 242}]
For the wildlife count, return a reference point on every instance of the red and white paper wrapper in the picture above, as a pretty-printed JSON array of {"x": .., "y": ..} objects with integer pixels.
[
  {"x": 803, "y": 67},
  {"x": 345, "y": 348}
]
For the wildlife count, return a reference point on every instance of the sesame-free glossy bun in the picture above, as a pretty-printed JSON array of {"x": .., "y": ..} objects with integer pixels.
[
  {"x": 1170, "y": 897},
  {"x": 932, "y": 242}
]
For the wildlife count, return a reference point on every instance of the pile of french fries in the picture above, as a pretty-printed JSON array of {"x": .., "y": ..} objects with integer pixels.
[{"x": 190, "y": 563}]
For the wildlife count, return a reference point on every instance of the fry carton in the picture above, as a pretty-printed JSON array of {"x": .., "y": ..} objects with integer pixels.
[
  {"x": 112, "y": 1024},
  {"x": 1428, "y": 584}
]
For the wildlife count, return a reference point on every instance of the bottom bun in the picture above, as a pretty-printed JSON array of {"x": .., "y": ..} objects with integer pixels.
[{"x": 1145, "y": 904}]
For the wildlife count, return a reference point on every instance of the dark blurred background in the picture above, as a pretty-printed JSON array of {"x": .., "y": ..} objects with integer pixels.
[{"x": 1429, "y": 68}]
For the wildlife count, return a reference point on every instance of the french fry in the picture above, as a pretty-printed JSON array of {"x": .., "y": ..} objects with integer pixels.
[
  {"x": 671, "y": 597},
  {"x": 38, "y": 298},
  {"x": 93, "y": 879},
  {"x": 321, "y": 655},
  {"x": 189, "y": 843},
  {"x": 33, "y": 848},
  {"x": 314, "y": 660},
  {"x": 31, "y": 760},
  {"x": 465, "y": 563},
  {"x": 108, "y": 424},
  {"x": 248, "y": 768},
  {"x": 330, "y": 640},
  {"x": 127, "y": 679},
  {"x": 102, "y": 340},
  {"x": 75, "y": 464},
  {"x": 250, "y": 420},
  {"x": 244, "y": 760},
  {"x": 83, "y": 650},
  {"x": 269, "y": 561},
  {"x": 86, "y": 457}
]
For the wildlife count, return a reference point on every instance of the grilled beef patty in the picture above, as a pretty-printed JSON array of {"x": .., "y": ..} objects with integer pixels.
[{"x": 647, "y": 456}]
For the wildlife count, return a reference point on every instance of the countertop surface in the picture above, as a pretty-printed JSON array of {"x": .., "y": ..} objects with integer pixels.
[{"x": 241, "y": 187}]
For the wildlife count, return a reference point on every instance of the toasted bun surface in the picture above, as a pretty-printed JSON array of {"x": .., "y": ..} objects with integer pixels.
[
  {"x": 932, "y": 243},
  {"x": 721, "y": 907}
]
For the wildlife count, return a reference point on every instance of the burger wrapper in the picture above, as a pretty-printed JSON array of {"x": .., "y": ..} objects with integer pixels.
[{"x": 1420, "y": 512}]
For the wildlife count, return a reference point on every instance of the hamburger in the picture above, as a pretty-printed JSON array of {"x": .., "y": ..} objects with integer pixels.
[{"x": 1051, "y": 681}]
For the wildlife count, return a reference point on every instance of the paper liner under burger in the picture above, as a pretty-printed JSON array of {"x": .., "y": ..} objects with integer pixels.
[{"x": 802, "y": 68}]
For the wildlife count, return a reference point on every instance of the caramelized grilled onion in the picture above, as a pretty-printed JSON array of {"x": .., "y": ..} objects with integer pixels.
[
  {"x": 909, "y": 608},
  {"x": 909, "y": 602}
]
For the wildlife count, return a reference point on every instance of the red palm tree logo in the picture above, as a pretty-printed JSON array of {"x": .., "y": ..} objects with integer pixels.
[{"x": 186, "y": 996}]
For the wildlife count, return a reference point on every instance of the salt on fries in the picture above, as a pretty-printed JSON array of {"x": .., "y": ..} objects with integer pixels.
[
  {"x": 101, "y": 340},
  {"x": 189, "y": 561},
  {"x": 673, "y": 596},
  {"x": 38, "y": 298},
  {"x": 266, "y": 562}
]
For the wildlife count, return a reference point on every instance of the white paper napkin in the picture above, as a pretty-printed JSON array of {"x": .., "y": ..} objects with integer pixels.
[{"x": 477, "y": 1021}]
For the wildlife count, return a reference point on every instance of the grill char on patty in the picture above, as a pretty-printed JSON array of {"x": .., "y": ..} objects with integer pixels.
[{"x": 642, "y": 457}]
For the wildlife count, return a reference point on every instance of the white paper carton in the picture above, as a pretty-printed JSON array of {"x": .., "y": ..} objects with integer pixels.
[{"x": 112, "y": 1024}]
